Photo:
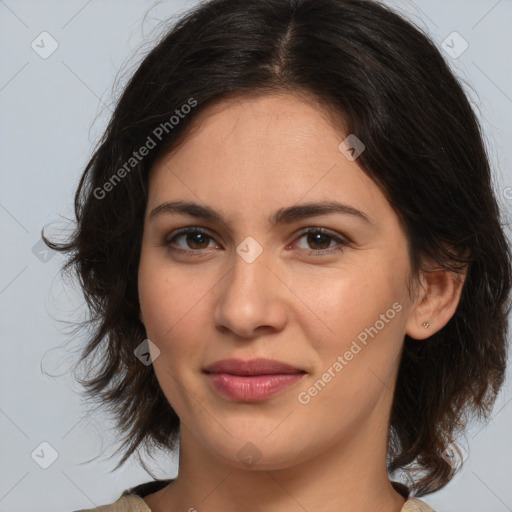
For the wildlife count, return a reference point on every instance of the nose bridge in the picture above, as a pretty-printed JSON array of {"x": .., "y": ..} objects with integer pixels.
[{"x": 250, "y": 294}]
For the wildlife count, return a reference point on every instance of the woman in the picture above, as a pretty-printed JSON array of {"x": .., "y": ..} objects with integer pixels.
[{"x": 294, "y": 261}]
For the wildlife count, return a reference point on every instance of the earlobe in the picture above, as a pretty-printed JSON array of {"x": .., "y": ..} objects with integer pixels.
[{"x": 435, "y": 304}]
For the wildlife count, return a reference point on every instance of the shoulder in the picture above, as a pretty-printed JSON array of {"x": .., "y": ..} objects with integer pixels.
[
  {"x": 416, "y": 505},
  {"x": 129, "y": 503},
  {"x": 131, "y": 499}
]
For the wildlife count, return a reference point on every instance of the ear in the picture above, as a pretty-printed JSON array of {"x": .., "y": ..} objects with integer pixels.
[{"x": 436, "y": 302}]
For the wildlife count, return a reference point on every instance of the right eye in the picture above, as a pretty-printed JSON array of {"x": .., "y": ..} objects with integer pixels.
[{"x": 194, "y": 238}]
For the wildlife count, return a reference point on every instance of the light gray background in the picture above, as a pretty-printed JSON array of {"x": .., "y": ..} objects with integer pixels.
[{"x": 53, "y": 111}]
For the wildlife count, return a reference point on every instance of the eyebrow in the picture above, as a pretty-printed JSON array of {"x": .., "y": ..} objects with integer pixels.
[{"x": 282, "y": 216}]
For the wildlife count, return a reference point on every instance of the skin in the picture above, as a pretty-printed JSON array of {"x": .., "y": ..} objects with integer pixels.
[{"x": 246, "y": 159}]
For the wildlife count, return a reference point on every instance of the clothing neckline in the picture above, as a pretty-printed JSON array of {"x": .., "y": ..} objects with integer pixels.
[
  {"x": 138, "y": 492},
  {"x": 153, "y": 486},
  {"x": 147, "y": 488},
  {"x": 411, "y": 505}
]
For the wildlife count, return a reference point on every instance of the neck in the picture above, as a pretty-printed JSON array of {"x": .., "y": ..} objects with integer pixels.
[{"x": 348, "y": 476}]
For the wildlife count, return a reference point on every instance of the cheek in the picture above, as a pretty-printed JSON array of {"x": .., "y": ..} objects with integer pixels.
[
  {"x": 163, "y": 292},
  {"x": 349, "y": 301},
  {"x": 358, "y": 358},
  {"x": 362, "y": 320},
  {"x": 154, "y": 300},
  {"x": 174, "y": 307}
]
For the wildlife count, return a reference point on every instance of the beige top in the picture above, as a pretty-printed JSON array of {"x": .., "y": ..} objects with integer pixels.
[{"x": 135, "y": 503}]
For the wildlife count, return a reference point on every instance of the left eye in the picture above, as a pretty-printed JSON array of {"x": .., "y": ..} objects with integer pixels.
[
  {"x": 197, "y": 240},
  {"x": 322, "y": 240}
]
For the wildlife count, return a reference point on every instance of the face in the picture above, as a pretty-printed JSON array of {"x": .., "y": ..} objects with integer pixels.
[{"x": 260, "y": 274}]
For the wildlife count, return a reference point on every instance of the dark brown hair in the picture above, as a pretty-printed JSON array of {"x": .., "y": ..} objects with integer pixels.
[{"x": 387, "y": 81}]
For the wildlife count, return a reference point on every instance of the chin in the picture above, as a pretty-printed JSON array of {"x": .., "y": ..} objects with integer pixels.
[{"x": 256, "y": 453}]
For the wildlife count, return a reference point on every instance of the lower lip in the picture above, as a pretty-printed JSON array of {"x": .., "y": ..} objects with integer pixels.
[{"x": 253, "y": 388}]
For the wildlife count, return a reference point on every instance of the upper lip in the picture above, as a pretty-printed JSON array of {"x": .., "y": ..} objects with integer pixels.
[{"x": 251, "y": 367}]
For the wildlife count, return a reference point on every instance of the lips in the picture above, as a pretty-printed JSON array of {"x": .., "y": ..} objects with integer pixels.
[
  {"x": 251, "y": 367},
  {"x": 252, "y": 381}
]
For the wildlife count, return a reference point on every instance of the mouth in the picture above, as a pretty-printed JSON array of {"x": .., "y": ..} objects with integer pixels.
[
  {"x": 253, "y": 380},
  {"x": 252, "y": 367}
]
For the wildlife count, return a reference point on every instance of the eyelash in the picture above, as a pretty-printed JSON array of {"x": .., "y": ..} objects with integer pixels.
[{"x": 198, "y": 252}]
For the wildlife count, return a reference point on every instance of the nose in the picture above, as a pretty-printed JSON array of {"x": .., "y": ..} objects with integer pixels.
[{"x": 251, "y": 299}]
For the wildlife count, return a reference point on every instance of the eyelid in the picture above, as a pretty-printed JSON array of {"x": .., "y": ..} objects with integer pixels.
[
  {"x": 341, "y": 241},
  {"x": 301, "y": 232},
  {"x": 318, "y": 229},
  {"x": 188, "y": 229}
]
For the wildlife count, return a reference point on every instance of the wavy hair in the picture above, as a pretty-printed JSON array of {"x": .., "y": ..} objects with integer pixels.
[{"x": 386, "y": 81}]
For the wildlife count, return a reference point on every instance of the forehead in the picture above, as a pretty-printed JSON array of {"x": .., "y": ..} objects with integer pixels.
[
  {"x": 277, "y": 148},
  {"x": 260, "y": 119},
  {"x": 262, "y": 124}
]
